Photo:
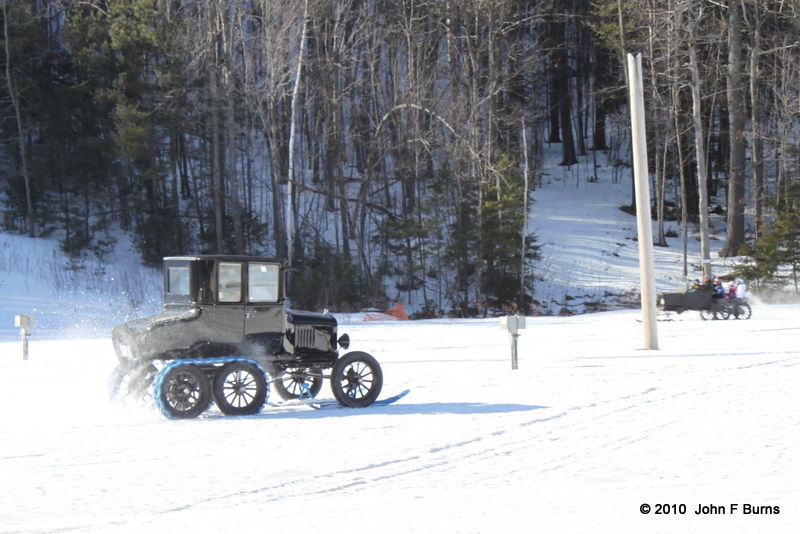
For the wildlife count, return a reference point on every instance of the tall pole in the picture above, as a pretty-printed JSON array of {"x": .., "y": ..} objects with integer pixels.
[{"x": 643, "y": 218}]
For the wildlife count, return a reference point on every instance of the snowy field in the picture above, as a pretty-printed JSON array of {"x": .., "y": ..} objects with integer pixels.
[{"x": 586, "y": 431}]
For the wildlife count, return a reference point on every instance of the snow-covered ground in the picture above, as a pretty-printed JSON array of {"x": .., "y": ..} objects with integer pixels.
[{"x": 585, "y": 432}]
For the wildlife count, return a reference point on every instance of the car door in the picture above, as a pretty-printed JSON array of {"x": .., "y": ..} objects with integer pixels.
[
  {"x": 223, "y": 322},
  {"x": 265, "y": 319}
]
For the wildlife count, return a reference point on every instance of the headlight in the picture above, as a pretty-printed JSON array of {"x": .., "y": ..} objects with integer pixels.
[{"x": 124, "y": 350}]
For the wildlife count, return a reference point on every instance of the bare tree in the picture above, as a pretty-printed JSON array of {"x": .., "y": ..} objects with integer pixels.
[
  {"x": 276, "y": 26},
  {"x": 737, "y": 109},
  {"x": 757, "y": 149},
  {"x": 700, "y": 150},
  {"x": 290, "y": 178},
  {"x": 14, "y": 95}
]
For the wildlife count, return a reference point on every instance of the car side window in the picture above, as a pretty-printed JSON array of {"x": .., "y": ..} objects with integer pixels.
[
  {"x": 178, "y": 281},
  {"x": 263, "y": 282},
  {"x": 230, "y": 282}
]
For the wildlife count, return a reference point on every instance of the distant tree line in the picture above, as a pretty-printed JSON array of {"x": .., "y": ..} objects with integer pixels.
[{"x": 371, "y": 140}]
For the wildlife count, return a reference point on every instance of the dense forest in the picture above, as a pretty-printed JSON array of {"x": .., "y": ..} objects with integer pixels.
[{"x": 369, "y": 141}]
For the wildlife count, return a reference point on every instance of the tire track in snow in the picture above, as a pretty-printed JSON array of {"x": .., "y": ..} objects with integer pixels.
[
  {"x": 556, "y": 445},
  {"x": 439, "y": 458}
]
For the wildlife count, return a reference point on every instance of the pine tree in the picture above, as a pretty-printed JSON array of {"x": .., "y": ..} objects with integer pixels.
[
  {"x": 778, "y": 248},
  {"x": 502, "y": 219}
]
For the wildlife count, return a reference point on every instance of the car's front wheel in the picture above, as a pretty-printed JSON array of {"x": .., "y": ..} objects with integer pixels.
[{"x": 356, "y": 380}]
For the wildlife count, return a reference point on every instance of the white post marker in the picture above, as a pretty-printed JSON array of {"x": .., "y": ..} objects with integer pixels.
[
  {"x": 24, "y": 323},
  {"x": 513, "y": 323}
]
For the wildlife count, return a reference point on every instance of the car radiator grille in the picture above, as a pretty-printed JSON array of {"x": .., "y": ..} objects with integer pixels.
[{"x": 304, "y": 337}]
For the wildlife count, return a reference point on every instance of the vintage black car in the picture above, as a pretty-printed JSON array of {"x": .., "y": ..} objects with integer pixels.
[
  {"x": 225, "y": 334},
  {"x": 703, "y": 300}
]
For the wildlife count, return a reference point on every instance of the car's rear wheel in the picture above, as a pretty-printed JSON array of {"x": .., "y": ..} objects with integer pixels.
[
  {"x": 296, "y": 384},
  {"x": 129, "y": 384},
  {"x": 118, "y": 382},
  {"x": 356, "y": 380},
  {"x": 743, "y": 311},
  {"x": 722, "y": 314},
  {"x": 184, "y": 392},
  {"x": 240, "y": 388}
]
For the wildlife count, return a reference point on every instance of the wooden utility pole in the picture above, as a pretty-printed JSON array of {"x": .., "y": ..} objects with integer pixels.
[{"x": 643, "y": 218}]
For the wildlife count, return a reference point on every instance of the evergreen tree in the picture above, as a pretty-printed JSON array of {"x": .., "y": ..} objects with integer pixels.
[
  {"x": 778, "y": 248},
  {"x": 501, "y": 231}
]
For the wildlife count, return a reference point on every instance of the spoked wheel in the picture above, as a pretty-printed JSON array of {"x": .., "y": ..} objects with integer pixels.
[
  {"x": 722, "y": 314},
  {"x": 240, "y": 388},
  {"x": 707, "y": 315},
  {"x": 297, "y": 384},
  {"x": 356, "y": 380},
  {"x": 129, "y": 384},
  {"x": 743, "y": 311},
  {"x": 118, "y": 381},
  {"x": 184, "y": 392}
]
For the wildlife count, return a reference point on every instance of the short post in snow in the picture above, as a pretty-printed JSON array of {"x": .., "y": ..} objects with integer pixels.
[
  {"x": 513, "y": 323},
  {"x": 24, "y": 323}
]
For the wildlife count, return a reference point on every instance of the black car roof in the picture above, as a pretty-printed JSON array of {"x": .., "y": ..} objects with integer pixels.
[{"x": 222, "y": 257}]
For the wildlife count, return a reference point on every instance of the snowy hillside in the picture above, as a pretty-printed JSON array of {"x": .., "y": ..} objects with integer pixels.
[
  {"x": 589, "y": 262},
  {"x": 35, "y": 278},
  {"x": 590, "y": 250}
]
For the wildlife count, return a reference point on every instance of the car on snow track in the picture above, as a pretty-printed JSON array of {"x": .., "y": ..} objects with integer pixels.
[{"x": 704, "y": 301}]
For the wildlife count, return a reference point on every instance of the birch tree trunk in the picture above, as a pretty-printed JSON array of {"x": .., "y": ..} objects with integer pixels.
[
  {"x": 290, "y": 194},
  {"x": 14, "y": 96},
  {"x": 227, "y": 35},
  {"x": 524, "y": 244},
  {"x": 623, "y": 41},
  {"x": 757, "y": 152},
  {"x": 212, "y": 47},
  {"x": 702, "y": 168}
]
